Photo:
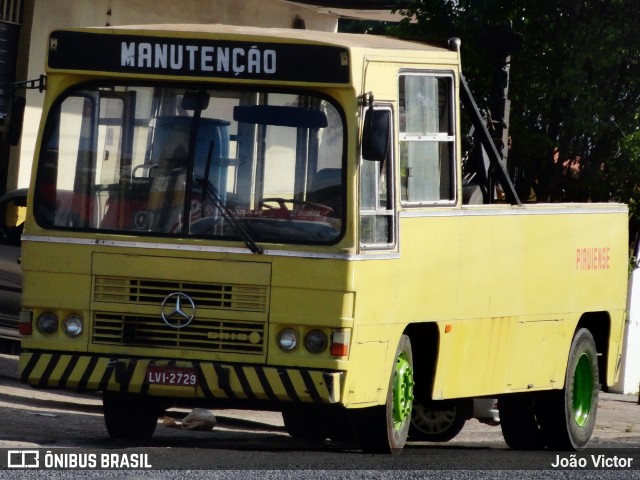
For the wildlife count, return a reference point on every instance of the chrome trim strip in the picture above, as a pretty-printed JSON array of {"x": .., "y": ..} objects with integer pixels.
[
  {"x": 502, "y": 210},
  {"x": 211, "y": 249}
]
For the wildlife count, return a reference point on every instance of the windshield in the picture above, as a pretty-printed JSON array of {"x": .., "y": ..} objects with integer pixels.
[{"x": 189, "y": 161}]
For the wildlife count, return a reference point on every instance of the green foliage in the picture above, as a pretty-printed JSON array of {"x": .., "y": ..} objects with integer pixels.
[{"x": 575, "y": 84}]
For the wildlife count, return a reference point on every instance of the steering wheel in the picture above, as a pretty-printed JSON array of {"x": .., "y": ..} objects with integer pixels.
[{"x": 323, "y": 209}]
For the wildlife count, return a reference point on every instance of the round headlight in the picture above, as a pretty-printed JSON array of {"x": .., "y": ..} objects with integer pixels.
[
  {"x": 316, "y": 341},
  {"x": 47, "y": 323},
  {"x": 72, "y": 325},
  {"x": 288, "y": 340}
]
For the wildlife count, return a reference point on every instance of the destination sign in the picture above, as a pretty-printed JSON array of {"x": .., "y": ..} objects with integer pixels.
[{"x": 216, "y": 58}]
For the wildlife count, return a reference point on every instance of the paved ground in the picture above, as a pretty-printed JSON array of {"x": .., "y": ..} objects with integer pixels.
[{"x": 618, "y": 417}]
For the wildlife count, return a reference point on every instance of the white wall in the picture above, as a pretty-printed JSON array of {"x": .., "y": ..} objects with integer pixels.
[
  {"x": 629, "y": 381},
  {"x": 50, "y": 15}
]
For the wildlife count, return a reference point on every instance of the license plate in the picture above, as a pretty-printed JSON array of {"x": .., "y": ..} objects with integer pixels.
[{"x": 178, "y": 376}]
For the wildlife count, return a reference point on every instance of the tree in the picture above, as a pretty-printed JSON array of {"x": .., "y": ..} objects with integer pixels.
[{"x": 574, "y": 86}]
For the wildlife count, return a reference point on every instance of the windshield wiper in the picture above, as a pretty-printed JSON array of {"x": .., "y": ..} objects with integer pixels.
[
  {"x": 229, "y": 216},
  {"x": 200, "y": 100}
]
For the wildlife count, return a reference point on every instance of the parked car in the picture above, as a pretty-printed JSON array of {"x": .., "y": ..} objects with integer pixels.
[
  {"x": 12, "y": 214},
  {"x": 442, "y": 420}
]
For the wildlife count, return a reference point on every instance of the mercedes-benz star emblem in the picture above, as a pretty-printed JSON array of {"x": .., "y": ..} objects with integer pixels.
[{"x": 178, "y": 310}]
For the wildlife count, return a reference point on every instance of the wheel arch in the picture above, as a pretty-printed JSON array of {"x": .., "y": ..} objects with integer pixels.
[
  {"x": 427, "y": 337},
  {"x": 599, "y": 324}
]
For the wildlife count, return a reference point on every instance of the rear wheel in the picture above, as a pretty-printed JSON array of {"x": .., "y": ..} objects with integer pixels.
[
  {"x": 519, "y": 422},
  {"x": 384, "y": 429},
  {"x": 437, "y": 421},
  {"x": 568, "y": 417},
  {"x": 129, "y": 416}
]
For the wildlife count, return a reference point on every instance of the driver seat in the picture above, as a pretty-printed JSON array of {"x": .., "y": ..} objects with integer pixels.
[
  {"x": 326, "y": 189},
  {"x": 166, "y": 198}
]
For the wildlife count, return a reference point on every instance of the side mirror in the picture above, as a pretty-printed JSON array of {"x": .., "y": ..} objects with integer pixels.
[
  {"x": 376, "y": 134},
  {"x": 16, "y": 120}
]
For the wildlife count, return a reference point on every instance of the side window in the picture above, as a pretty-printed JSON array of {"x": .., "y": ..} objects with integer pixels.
[
  {"x": 377, "y": 215},
  {"x": 427, "y": 141}
]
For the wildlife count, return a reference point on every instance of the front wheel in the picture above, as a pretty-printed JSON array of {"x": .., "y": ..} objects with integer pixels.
[
  {"x": 305, "y": 423},
  {"x": 384, "y": 429},
  {"x": 129, "y": 416},
  {"x": 568, "y": 417},
  {"x": 317, "y": 423}
]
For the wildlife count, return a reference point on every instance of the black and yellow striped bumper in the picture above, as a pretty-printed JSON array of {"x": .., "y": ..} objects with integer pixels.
[{"x": 215, "y": 380}]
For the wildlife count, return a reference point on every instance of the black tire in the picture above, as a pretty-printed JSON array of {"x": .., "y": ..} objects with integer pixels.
[
  {"x": 130, "y": 416},
  {"x": 317, "y": 423},
  {"x": 384, "y": 429},
  {"x": 303, "y": 423},
  {"x": 568, "y": 416},
  {"x": 438, "y": 421},
  {"x": 519, "y": 422}
]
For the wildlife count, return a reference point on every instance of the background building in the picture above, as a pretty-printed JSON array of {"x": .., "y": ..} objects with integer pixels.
[{"x": 25, "y": 26}]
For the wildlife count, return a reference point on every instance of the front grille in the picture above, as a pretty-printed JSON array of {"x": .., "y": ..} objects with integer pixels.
[
  {"x": 234, "y": 297},
  {"x": 230, "y": 336}
]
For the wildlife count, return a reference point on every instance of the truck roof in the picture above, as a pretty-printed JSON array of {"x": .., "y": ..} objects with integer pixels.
[
  {"x": 309, "y": 56},
  {"x": 308, "y": 36}
]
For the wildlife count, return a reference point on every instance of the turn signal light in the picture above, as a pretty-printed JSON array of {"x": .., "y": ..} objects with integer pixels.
[
  {"x": 340, "y": 342},
  {"x": 25, "y": 324}
]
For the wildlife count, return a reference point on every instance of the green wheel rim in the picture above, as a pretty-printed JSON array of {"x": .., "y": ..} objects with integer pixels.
[
  {"x": 402, "y": 391},
  {"x": 582, "y": 390}
]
